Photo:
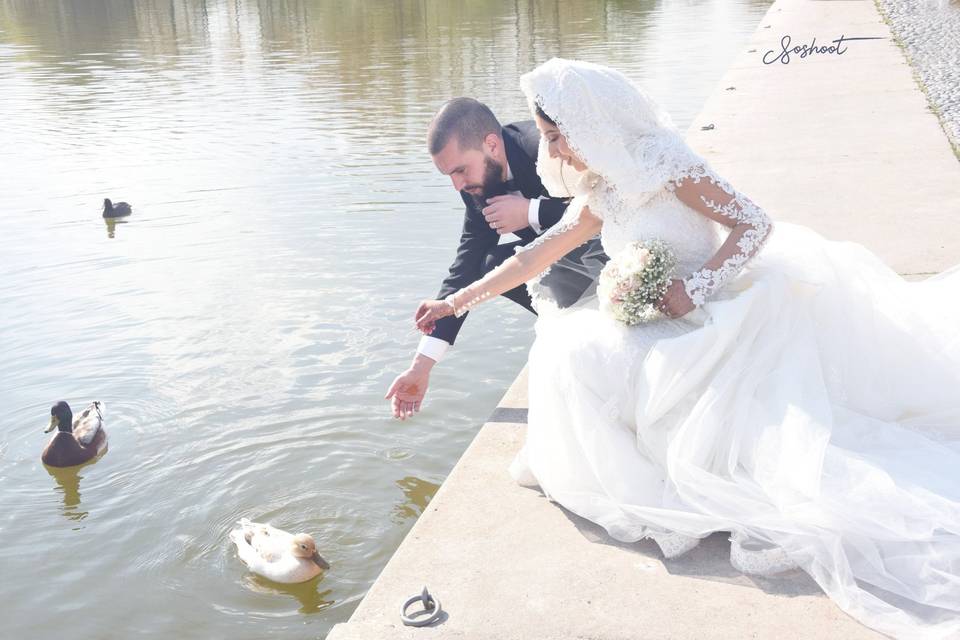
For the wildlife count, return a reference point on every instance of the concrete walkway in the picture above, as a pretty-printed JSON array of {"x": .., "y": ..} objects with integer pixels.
[{"x": 842, "y": 143}]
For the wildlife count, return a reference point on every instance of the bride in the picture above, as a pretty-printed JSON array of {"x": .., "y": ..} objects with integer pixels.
[{"x": 795, "y": 391}]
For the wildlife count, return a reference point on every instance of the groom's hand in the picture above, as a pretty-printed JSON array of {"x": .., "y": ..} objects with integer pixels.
[
  {"x": 507, "y": 214},
  {"x": 408, "y": 389}
]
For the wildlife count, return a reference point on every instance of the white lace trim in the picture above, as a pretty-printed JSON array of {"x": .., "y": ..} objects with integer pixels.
[
  {"x": 673, "y": 544},
  {"x": 764, "y": 561},
  {"x": 740, "y": 209},
  {"x": 746, "y": 555}
]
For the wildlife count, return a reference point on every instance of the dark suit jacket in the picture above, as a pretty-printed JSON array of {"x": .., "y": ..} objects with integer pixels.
[{"x": 521, "y": 141}]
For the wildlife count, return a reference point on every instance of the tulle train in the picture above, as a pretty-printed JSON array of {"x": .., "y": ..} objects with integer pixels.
[{"x": 812, "y": 409}]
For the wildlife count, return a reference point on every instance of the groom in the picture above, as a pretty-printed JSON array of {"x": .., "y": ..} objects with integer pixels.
[{"x": 494, "y": 169}]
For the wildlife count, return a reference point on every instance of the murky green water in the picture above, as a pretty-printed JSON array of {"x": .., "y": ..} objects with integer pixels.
[{"x": 243, "y": 325}]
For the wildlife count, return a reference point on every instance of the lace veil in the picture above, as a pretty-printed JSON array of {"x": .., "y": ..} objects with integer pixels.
[{"x": 622, "y": 134}]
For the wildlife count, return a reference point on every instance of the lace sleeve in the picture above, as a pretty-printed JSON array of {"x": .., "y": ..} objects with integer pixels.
[{"x": 703, "y": 190}]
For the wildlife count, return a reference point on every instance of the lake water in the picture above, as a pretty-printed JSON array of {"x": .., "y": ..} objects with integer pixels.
[{"x": 243, "y": 325}]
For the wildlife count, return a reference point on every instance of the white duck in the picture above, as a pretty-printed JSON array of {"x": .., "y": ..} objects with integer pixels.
[{"x": 276, "y": 554}]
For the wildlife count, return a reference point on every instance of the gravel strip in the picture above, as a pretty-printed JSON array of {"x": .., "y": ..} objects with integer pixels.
[{"x": 929, "y": 31}]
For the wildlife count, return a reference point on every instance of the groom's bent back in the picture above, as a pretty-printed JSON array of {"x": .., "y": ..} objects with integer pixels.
[{"x": 506, "y": 206}]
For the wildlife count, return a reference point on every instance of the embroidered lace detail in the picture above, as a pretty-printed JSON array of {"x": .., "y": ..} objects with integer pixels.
[
  {"x": 746, "y": 555},
  {"x": 673, "y": 544},
  {"x": 759, "y": 559},
  {"x": 739, "y": 209}
]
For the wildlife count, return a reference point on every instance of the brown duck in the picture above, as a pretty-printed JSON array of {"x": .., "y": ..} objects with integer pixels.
[
  {"x": 76, "y": 441},
  {"x": 118, "y": 210}
]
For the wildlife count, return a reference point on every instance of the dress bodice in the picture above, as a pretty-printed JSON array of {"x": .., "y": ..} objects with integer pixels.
[
  {"x": 693, "y": 237},
  {"x": 658, "y": 213}
]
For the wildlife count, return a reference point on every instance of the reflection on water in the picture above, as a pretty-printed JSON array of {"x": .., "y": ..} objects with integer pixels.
[
  {"x": 111, "y": 224},
  {"x": 68, "y": 483},
  {"x": 244, "y": 327},
  {"x": 417, "y": 494},
  {"x": 311, "y": 600}
]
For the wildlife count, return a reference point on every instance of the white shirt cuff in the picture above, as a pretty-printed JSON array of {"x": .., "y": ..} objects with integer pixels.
[
  {"x": 433, "y": 348},
  {"x": 533, "y": 215}
]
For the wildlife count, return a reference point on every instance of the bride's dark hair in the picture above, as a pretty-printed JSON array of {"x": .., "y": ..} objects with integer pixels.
[{"x": 543, "y": 116}]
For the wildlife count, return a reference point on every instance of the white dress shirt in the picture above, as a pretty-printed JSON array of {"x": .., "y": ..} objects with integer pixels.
[{"x": 435, "y": 348}]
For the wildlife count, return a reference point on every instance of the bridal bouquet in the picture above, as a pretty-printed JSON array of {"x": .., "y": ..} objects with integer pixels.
[{"x": 635, "y": 280}]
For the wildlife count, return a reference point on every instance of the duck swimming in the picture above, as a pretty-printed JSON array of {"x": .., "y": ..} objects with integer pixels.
[
  {"x": 276, "y": 554},
  {"x": 76, "y": 441},
  {"x": 118, "y": 210}
]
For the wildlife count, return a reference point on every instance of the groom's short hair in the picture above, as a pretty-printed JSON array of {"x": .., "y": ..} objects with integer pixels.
[{"x": 469, "y": 120}]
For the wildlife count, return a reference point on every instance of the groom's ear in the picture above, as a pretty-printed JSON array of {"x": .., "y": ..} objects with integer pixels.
[{"x": 492, "y": 142}]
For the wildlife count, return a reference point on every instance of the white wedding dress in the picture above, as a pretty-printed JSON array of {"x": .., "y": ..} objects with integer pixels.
[{"x": 810, "y": 405}]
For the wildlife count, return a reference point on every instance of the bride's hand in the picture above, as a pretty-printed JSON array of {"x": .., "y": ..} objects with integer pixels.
[
  {"x": 429, "y": 312},
  {"x": 676, "y": 302}
]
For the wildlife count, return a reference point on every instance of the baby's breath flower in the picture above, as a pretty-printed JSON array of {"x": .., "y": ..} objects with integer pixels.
[{"x": 635, "y": 280}]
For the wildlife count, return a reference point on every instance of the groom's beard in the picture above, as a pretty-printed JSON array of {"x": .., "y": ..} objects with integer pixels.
[{"x": 493, "y": 184}]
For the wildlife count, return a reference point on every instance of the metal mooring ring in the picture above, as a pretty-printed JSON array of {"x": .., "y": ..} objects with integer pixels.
[{"x": 430, "y": 604}]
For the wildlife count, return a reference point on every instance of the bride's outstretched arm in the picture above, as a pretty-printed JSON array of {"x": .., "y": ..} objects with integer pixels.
[
  {"x": 531, "y": 260},
  {"x": 750, "y": 227}
]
